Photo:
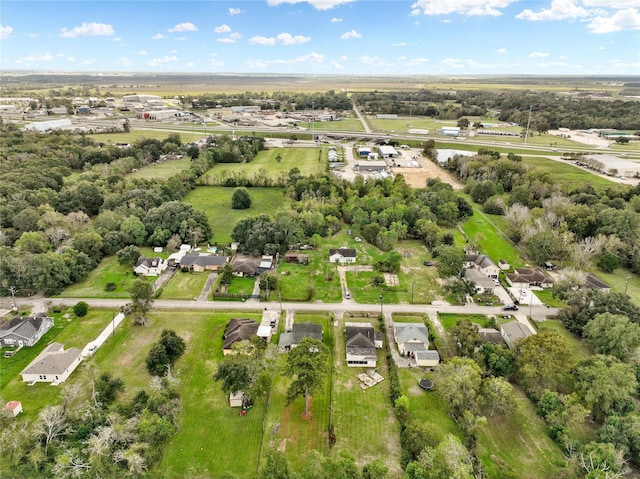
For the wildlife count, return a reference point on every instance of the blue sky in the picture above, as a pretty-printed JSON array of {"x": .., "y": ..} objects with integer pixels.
[{"x": 427, "y": 37}]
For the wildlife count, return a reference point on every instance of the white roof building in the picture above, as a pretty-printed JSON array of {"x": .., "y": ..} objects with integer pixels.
[{"x": 43, "y": 126}]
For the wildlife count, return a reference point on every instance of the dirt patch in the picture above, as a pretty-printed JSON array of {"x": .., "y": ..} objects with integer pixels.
[
  {"x": 348, "y": 385},
  {"x": 282, "y": 446},
  {"x": 417, "y": 177},
  {"x": 415, "y": 391}
]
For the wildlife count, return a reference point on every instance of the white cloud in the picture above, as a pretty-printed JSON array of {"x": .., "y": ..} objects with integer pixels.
[
  {"x": 88, "y": 61},
  {"x": 224, "y": 28},
  {"x": 282, "y": 38},
  {"x": 5, "y": 32},
  {"x": 233, "y": 38},
  {"x": 343, "y": 58},
  {"x": 47, "y": 57},
  {"x": 317, "y": 4},
  {"x": 88, "y": 30},
  {"x": 71, "y": 59},
  {"x": 116, "y": 39},
  {"x": 158, "y": 36},
  {"x": 162, "y": 60},
  {"x": 401, "y": 44},
  {"x": 180, "y": 39},
  {"x": 258, "y": 40},
  {"x": 310, "y": 58},
  {"x": 214, "y": 61},
  {"x": 350, "y": 35},
  {"x": 142, "y": 52},
  {"x": 126, "y": 62},
  {"x": 415, "y": 62},
  {"x": 288, "y": 39},
  {"x": 462, "y": 7},
  {"x": 621, "y": 20},
  {"x": 336, "y": 20},
  {"x": 621, "y": 4},
  {"x": 191, "y": 64},
  {"x": 375, "y": 61},
  {"x": 538, "y": 55},
  {"x": 336, "y": 66},
  {"x": 453, "y": 62},
  {"x": 183, "y": 27},
  {"x": 235, "y": 11},
  {"x": 501, "y": 51},
  {"x": 560, "y": 10}
]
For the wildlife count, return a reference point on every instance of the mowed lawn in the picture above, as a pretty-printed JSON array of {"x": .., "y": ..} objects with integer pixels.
[
  {"x": 163, "y": 170},
  {"x": 364, "y": 421},
  {"x": 492, "y": 242},
  {"x": 286, "y": 427},
  {"x": 208, "y": 442},
  {"x": 108, "y": 271},
  {"x": 134, "y": 135},
  {"x": 215, "y": 201},
  {"x": 185, "y": 285},
  {"x": 308, "y": 160}
]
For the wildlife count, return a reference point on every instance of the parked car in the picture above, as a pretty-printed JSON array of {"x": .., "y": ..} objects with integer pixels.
[
  {"x": 427, "y": 263},
  {"x": 510, "y": 307}
]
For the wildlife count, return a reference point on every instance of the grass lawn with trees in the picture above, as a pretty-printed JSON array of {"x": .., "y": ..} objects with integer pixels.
[
  {"x": 308, "y": 160},
  {"x": 448, "y": 320},
  {"x": 108, "y": 271},
  {"x": 481, "y": 230},
  {"x": 519, "y": 443},
  {"x": 68, "y": 330},
  {"x": 215, "y": 201},
  {"x": 241, "y": 285},
  {"x": 286, "y": 427},
  {"x": 185, "y": 285}
]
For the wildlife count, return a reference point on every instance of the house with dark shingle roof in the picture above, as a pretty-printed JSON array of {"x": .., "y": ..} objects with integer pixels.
[
  {"x": 237, "y": 330},
  {"x": 291, "y": 339},
  {"x": 360, "y": 345},
  {"x": 525, "y": 278},
  {"x": 203, "y": 262},
  {"x": 150, "y": 266},
  {"x": 53, "y": 365},
  {"x": 24, "y": 331},
  {"x": 593, "y": 282}
]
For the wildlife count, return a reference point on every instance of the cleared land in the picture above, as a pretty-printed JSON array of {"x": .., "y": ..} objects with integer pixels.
[
  {"x": 215, "y": 201},
  {"x": 163, "y": 170},
  {"x": 185, "y": 285},
  {"x": 308, "y": 160},
  {"x": 137, "y": 134}
]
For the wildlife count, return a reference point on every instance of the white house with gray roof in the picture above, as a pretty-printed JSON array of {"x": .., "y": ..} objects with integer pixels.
[
  {"x": 483, "y": 263},
  {"x": 411, "y": 337},
  {"x": 53, "y": 365},
  {"x": 24, "y": 331}
]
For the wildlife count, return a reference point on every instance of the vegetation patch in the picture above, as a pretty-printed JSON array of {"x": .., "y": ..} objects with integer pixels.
[
  {"x": 185, "y": 285},
  {"x": 449, "y": 319}
]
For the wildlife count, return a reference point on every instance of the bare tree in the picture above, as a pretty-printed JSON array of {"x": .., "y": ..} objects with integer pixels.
[
  {"x": 51, "y": 424},
  {"x": 585, "y": 249},
  {"x": 69, "y": 465}
]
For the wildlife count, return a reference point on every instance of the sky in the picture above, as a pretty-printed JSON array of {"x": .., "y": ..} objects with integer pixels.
[{"x": 343, "y": 37}]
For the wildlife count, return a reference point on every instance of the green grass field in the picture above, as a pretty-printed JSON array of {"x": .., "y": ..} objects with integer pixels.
[
  {"x": 134, "y": 135},
  {"x": 108, "y": 271},
  {"x": 215, "y": 201},
  {"x": 449, "y": 319},
  {"x": 519, "y": 443},
  {"x": 163, "y": 170},
  {"x": 308, "y": 160},
  {"x": 185, "y": 285},
  {"x": 240, "y": 285},
  {"x": 568, "y": 177},
  {"x": 482, "y": 229},
  {"x": 346, "y": 124}
]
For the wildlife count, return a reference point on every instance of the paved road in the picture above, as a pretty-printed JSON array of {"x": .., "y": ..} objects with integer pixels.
[{"x": 538, "y": 313}]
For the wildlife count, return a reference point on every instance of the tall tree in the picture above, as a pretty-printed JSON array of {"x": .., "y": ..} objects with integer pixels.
[
  {"x": 612, "y": 334},
  {"x": 308, "y": 364},
  {"x": 142, "y": 299},
  {"x": 458, "y": 381},
  {"x": 241, "y": 199}
]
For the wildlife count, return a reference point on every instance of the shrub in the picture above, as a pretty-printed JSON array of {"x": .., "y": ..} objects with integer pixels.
[
  {"x": 81, "y": 309},
  {"x": 110, "y": 287}
]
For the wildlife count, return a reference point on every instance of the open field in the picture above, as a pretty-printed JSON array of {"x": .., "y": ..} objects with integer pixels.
[
  {"x": 346, "y": 124},
  {"x": 450, "y": 319},
  {"x": 308, "y": 160},
  {"x": 108, "y": 271},
  {"x": 184, "y": 285},
  {"x": 567, "y": 176},
  {"x": 164, "y": 170},
  {"x": 215, "y": 201},
  {"x": 133, "y": 135}
]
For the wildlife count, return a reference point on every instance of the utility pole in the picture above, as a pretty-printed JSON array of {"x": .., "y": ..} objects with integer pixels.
[
  {"x": 381, "y": 302},
  {"x": 13, "y": 296},
  {"x": 526, "y": 133}
]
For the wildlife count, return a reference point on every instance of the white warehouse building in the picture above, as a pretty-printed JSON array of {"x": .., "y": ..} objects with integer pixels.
[
  {"x": 388, "y": 151},
  {"x": 43, "y": 126}
]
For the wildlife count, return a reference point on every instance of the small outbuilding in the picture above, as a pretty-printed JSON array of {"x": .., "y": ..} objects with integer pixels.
[
  {"x": 236, "y": 399},
  {"x": 14, "y": 408}
]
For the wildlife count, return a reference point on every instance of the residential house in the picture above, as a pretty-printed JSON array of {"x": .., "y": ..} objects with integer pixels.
[
  {"x": 482, "y": 282},
  {"x": 360, "y": 345},
  {"x": 246, "y": 265},
  {"x": 514, "y": 331},
  {"x": 490, "y": 335},
  {"x": 150, "y": 266},
  {"x": 238, "y": 329},
  {"x": 526, "y": 278},
  {"x": 482, "y": 263},
  {"x": 411, "y": 337},
  {"x": 291, "y": 339},
  {"x": 593, "y": 282},
  {"x": 53, "y": 365},
  {"x": 24, "y": 331},
  {"x": 342, "y": 255},
  {"x": 198, "y": 263}
]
